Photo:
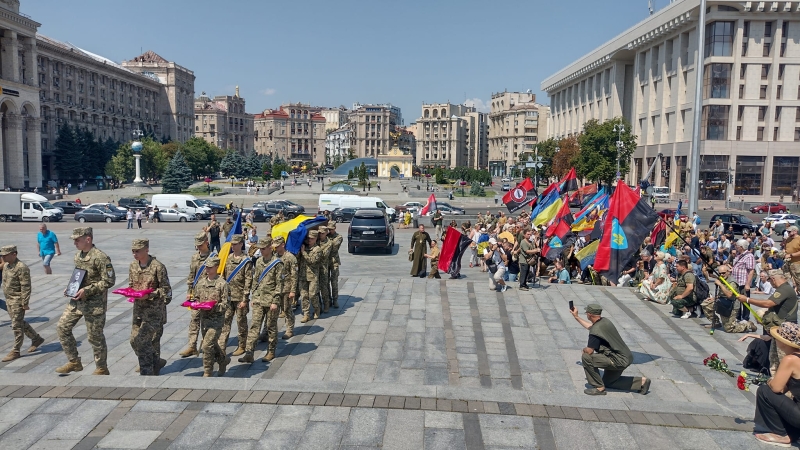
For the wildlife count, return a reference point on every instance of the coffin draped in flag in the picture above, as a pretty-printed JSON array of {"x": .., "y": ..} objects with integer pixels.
[
  {"x": 520, "y": 196},
  {"x": 560, "y": 237},
  {"x": 453, "y": 248},
  {"x": 429, "y": 207},
  {"x": 628, "y": 221},
  {"x": 225, "y": 249},
  {"x": 570, "y": 182},
  {"x": 294, "y": 231}
]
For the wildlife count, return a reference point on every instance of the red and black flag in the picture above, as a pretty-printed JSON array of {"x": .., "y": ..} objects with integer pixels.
[
  {"x": 570, "y": 182},
  {"x": 429, "y": 207},
  {"x": 453, "y": 248},
  {"x": 628, "y": 221},
  {"x": 520, "y": 196},
  {"x": 560, "y": 236},
  {"x": 659, "y": 234}
]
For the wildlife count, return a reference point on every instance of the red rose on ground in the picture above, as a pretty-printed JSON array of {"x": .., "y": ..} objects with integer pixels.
[{"x": 741, "y": 383}]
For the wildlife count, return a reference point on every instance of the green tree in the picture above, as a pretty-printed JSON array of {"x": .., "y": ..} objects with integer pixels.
[
  {"x": 477, "y": 190},
  {"x": 266, "y": 166},
  {"x": 68, "y": 154},
  {"x": 154, "y": 161},
  {"x": 547, "y": 150},
  {"x": 278, "y": 167},
  {"x": 202, "y": 157},
  {"x": 170, "y": 148},
  {"x": 231, "y": 163},
  {"x": 362, "y": 175},
  {"x": 351, "y": 154},
  {"x": 178, "y": 175},
  {"x": 439, "y": 176},
  {"x": 350, "y": 174},
  {"x": 122, "y": 166},
  {"x": 597, "y": 160},
  {"x": 252, "y": 164}
]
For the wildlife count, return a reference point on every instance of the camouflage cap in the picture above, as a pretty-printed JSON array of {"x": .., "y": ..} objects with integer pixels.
[
  {"x": 81, "y": 231},
  {"x": 278, "y": 241},
  {"x": 139, "y": 244},
  {"x": 332, "y": 225},
  {"x": 593, "y": 308},
  {"x": 264, "y": 242},
  {"x": 7, "y": 249},
  {"x": 237, "y": 239},
  {"x": 200, "y": 238},
  {"x": 312, "y": 234},
  {"x": 212, "y": 261}
]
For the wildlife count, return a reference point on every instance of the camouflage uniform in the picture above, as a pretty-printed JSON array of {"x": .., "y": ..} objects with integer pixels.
[
  {"x": 211, "y": 321},
  {"x": 239, "y": 286},
  {"x": 17, "y": 289},
  {"x": 265, "y": 293},
  {"x": 309, "y": 278},
  {"x": 729, "y": 322},
  {"x": 324, "y": 273},
  {"x": 99, "y": 278},
  {"x": 289, "y": 287},
  {"x": 149, "y": 313},
  {"x": 197, "y": 264},
  {"x": 226, "y": 228},
  {"x": 336, "y": 243}
]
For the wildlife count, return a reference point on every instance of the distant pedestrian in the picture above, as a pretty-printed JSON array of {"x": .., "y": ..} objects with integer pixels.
[
  {"x": 379, "y": 186},
  {"x": 129, "y": 216},
  {"x": 47, "y": 243},
  {"x": 139, "y": 218}
]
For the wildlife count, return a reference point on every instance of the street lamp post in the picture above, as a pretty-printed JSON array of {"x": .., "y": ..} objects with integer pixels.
[
  {"x": 619, "y": 129},
  {"x": 136, "y": 147}
]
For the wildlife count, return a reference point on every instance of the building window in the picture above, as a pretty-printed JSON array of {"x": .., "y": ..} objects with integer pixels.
[
  {"x": 760, "y": 134},
  {"x": 775, "y": 134},
  {"x": 762, "y": 113},
  {"x": 741, "y": 91},
  {"x": 778, "y": 112},
  {"x": 680, "y": 166},
  {"x": 768, "y": 29},
  {"x": 767, "y": 48},
  {"x": 715, "y": 120},
  {"x": 779, "y": 92},
  {"x": 797, "y": 134},
  {"x": 719, "y": 39},
  {"x": 763, "y": 92},
  {"x": 740, "y": 114},
  {"x": 749, "y": 171},
  {"x": 784, "y": 174},
  {"x": 739, "y": 133},
  {"x": 765, "y": 71},
  {"x": 717, "y": 81},
  {"x": 742, "y": 71}
]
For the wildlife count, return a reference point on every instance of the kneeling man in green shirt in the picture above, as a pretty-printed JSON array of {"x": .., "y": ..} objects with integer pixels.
[{"x": 606, "y": 350}]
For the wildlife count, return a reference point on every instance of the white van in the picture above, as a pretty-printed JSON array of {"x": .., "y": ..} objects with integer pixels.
[
  {"x": 27, "y": 207},
  {"x": 329, "y": 202},
  {"x": 661, "y": 194},
  {"x": 182, "y": 202}
]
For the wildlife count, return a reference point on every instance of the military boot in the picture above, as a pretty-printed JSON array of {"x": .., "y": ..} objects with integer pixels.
[
  {"x": 247, "y": 358},
  {"x": 326, "y": 308},
  {"x": 71, "y": 366},
  {"x": 35, "y": 344},
  {"x": 223, "y": 366},
  {"x": 288, "y": 334},
  {"x": 316, "y": 314},
  {"x": 335, "y": 304},
  {"x": 268, "y": 357},
  {"x": 238, "y": 351},
  {"x": 189, "y": 352},
  {"x": 161, "y": 363},
  {"x": 101, "y": 371},
  {"x": 12, "y": 355},
  {"x": 206, "y": 374},
  {"x": 305, "y": 319},
  {"x": 282, "y": 315}
]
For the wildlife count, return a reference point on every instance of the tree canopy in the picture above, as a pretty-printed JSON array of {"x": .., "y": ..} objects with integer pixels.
[
  {"x": 598, "y": 156},
  {"x": 178, "y": 175}
]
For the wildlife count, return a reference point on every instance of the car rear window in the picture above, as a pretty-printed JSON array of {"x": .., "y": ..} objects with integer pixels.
[{"x": 369, "y": 222}]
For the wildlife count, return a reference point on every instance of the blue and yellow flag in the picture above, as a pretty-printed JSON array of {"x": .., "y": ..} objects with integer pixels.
[{"x": 225, "y": 249}]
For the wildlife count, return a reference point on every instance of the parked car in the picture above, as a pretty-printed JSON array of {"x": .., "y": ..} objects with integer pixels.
[
  {"x": 506, "y": 187},
  {"x": 739, "y": 222},
  {"x": 215, "y": 208},
  {"x": 111, "y": 209},
  {"x": 259, "y": 215},
  {"x": 96, "y": 215},
  {"x": 768, "y": 208},
  {"x": 447, "y": 208},
  {"x": 133, "y": 203},
  {"x": 506, "y": 180},
  {"x": 343, "y": 214},
  {"x": 370, "y": 228},
  {"x": 779, "y": 218},
  {"x": 669, "y": 214},
  {"x": 290, "y": 209},
  {"x": 408, "y": 206},
  {"x": 174, "y": 215},
  {"x": 68, "y": 207}
]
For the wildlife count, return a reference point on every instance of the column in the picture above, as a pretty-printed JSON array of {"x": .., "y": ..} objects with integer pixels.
[
  {"x": 31, "y": 64},
  {"x": 2, "y": 157},
  {"x": 16, "y": 173},
  {"x": 11, "y": 59},
  {"x": 34, "y": 151}
]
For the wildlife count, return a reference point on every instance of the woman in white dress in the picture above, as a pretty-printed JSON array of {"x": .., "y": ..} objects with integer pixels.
[{"x": 656, "y": 287}]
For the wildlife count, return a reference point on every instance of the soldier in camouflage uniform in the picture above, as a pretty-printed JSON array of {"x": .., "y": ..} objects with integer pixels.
[
  {"x": 289, "y": 284},
  {"x": 195, "y": 268},
  {"x": 211, "y": 287},
  {"x": 266, "y": 298},
  {"x": 146, "y": 272},
  {"x": 725, "y": 297},
  {"x": 226, "y": 227},
  {"x": 324, "y": 268},
  {"x": 310, "y": 254},
  {"x": 239, "y": 276},
  {"x": 336, "y": 242},
  {"x": 17, "y": 289},
  {"x": 90, "y": 303}
]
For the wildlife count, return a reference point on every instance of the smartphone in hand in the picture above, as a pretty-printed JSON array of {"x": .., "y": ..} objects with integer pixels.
[{"x": 571, "y": 305}]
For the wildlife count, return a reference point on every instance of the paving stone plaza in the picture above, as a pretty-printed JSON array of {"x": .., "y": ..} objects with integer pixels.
[{"x": 404, "y": 363}]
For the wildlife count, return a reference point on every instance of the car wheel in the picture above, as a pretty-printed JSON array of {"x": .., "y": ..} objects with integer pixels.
[
  {"x": 390, "y": 248},
  {"x": 351, "y": 248},
  {"x": 45, "y": 219},
  {"x": 290, "y": 216},
  {"x": 108, "y": 220},
  {"x": 198, "y": 216},
  {"x": 82, "y": 220},
  {"x": 3, "y": 218},
  {"x": 183, "y": 219},
  {"x": 338, "y": 220},
  {"x": 781, "y": 212}
]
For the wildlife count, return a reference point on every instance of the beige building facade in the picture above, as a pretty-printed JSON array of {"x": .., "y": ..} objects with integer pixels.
[
  {"x": 516, "y": 125},
  {"x": 224, "y": 122},
  {"x": 750, "y": 125},
  {"x": 335, "y": 118},
  {"x": 371, "y": 125},
  {"x": 442, "y": 132},
  {"x": 294, "y": 132}
]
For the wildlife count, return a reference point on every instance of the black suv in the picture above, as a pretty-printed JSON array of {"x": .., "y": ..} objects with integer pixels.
[
  {"x": 290, "y": 209},
  {"x": 133, "y": 203},
  {"x": 343, "y": 214},
  {"x": 215, "y": 208},
  {"x": 739, "y": 223},
  {"x": 370, "y": 228}
]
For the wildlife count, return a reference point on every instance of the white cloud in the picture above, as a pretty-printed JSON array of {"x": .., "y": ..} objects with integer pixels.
[
  {"x": 479, "y": 104},
  {"x": 269, "y": 91}
]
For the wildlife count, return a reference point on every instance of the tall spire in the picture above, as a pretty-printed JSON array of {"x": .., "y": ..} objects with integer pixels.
[{"x": 237, "y": 91}]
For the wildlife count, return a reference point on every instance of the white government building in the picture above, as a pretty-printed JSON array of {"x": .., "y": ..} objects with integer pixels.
[{"x": 750, "y": 133}]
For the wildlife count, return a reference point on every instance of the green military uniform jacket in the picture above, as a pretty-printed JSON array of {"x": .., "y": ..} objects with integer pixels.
[
  {"x": 268, "y": 290},
  {"x": 336, "y": 243},
  {"x": 226, "y": 228},
  {"x": 312, "y": 259},
  {"x": 194, "y": 265},
  {"x": 17, "y": 283},
  {"x": 213, "y": 290},
  {"x": 100, "y": 277},
  {"x": 290, "y": 268},
  {"x": 325, "y": 258},
  {"x": 785, "y": 309},
  {"x": 242, "y": 282},
  {"x": 617, "y": 351},
  {"x": 152, "y": 276}
]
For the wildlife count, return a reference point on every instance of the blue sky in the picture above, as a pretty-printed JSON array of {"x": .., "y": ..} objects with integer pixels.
[{"x": 332, "y": 53}]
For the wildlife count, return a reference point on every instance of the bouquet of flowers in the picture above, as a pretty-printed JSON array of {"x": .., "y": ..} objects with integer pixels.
[
  {"x": 716, "y": 363},
  {"x": 744, "y": 380}
]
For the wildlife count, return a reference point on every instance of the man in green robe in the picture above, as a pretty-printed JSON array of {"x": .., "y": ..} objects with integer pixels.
[
  {"x": 419, "y": 247},
  {"x": 606, "y": 350}
]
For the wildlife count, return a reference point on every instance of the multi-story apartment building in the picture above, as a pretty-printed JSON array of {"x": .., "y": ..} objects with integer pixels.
[
  {"x": 337, "y": 145},
  {"x": 442, "y": 136},
  {"x": 371, "y": 125},
  {"x": 20, "y": 119},
  {"x": 750, "y": 117},
  {"x": 335, "y": 118},
  {"x": 407, "y": 142},
  {"x": 177, "y": 85},
  {"x": 516, "y": 124},
  {"x": 223, "y": 122},
  {"x": 294, "y": 132},
  {"x": 477, "y": 131}
]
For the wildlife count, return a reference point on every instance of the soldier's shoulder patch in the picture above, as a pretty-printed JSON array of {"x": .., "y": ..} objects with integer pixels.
[
  {"x": 776, "y": 295},
  {"x": 109, "y": 270}
]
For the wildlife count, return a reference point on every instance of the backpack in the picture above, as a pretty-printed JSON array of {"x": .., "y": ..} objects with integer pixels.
[
  {"x": 701, "y": 290},
  {"x": 697, "y": 220}
]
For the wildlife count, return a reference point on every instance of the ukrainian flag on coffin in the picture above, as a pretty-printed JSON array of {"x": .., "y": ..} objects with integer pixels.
[{"x": 295, "y": 230}]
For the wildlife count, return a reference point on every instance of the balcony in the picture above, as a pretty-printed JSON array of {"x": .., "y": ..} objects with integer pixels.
[{"x": 301, "y": 156}]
